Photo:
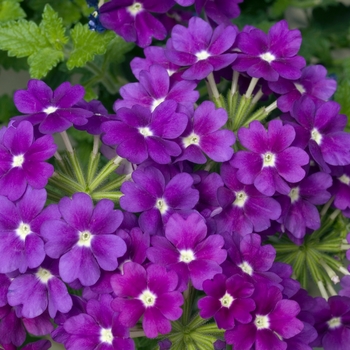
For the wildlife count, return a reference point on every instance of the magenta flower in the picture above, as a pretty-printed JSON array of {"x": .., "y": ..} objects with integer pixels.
[
  {"x": 23, "y": 160},
  {"x": 54, "y": 111},
  {"x": 186, "y": 250},
  {"x": 149, "y": 293}
]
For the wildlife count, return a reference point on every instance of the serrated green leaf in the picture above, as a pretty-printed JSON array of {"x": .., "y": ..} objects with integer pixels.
[
  {"x": 10, "y": 10},
  {"x": 51, "y": 26},
  {"x": 117, "y": 48},
  {"x": 7, "y": 110},
  {"x": 87, "y": 44},
  {"x": 21, "y": 38},
  {"x": 41, "y": 62}
]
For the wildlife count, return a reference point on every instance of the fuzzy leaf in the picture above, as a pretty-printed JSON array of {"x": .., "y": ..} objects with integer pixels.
[
  {"x": 10, "y": 10},
  {"x": 87, "y": 44},
  {"x": 43, "y": 61}
]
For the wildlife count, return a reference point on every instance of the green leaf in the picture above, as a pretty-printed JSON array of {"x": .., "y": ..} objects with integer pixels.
[
  {"x": 42, "y": 61},
  {"x": 10, "y": 10},
  {"x": 278, "y": 8},
  {"x": 7, "y": 110},
  {"x": 51, "y": 26},
  {"x": 16, "y": 64},
  {"x": 342, "y": 97},
  {"x": 87, "y": 44},
  {"x": 117, "y": 48}
]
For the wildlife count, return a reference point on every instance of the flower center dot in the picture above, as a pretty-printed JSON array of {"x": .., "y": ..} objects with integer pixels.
[
  {"x": 186, "y": 256},
  {"x": 192, "y": 139},
  {"x": 156, "y": 103},
  {"x": 148, "y": 298},
  {"x": 161, "y": 205},
  {"x": 106, "y": 335},
  {"x": 241, "y": 198},
  {"x": 23, "y": 230},
  {"x": 294, "y": 194},
  {"x": 268, "y": 57},
  {"x": 135, "y": 8},
  {"x": 268, "y": 159},
  {"x": 170, "y": 72},
  {"x": 344, "y": 179},
  {"x": 335, "y": 322},
  {"x": 202, "y": 55},
  {"x": 300, "y": 88},
  {"x": 316, "y": 136},
  {"x": 17, "y": 161},
  {"x": 262, "y": 322},
  {"x": 50, "y": 110},
  {"x": 146, "y": 131},
  {"x": 245, "y": 267},
  {"x": 43, "y": 275},
  {"x": 226, "y": 300},
  {"x": 84, "y": 239}
]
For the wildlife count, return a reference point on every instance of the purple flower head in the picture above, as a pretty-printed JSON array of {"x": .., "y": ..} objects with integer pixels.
[
  {"x": 12, "y": 331},
  {"x": 165, "y": 344},
  {"x": 299, "y": 211},
  {"x": 227, "y": 300},
  {"x": 245, "y": 209},
  {"x": 312, "y": 83},
  {"x": 38, "y": 345},
  {"x": 322, "y": 129},
  {"x": 149, "y": 293},
  {"x": 54, "y": 111},
  {"x": 141, "y": 134},
  {"x": 206, "y": 136},
  {"x": 275, "y": 320},
  {"x": 85, "y": 240},
  {"x": 21, "y": 246},
  {"x": 98, "y": 328},
  {"x": 150, "y": 194},
  {"x": 23, "y": 160},
  {"x": 341, "y": 189},
  {"x": 270, "y": 161},
  {"x": 39, "y": 290},
  {"x": 271, "y": 55},
  {"x": 186, "y": 250},
  {"x": 133, "y": 20},
  {"x": 154, "y": 88},
  {"x": 201, "y": 48}
]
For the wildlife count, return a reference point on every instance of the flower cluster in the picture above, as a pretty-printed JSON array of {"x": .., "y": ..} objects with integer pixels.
[{"x": 186, "y": 200}]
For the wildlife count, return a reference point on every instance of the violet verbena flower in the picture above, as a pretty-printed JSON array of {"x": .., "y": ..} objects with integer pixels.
[
  {"x": 204, "y": 135},
  {"x": 22, "y": 160},
  {"x": 271, "y": 161},
  {"x": 85, "y": 240},
  {"x": 140, "y": 134},
  {"x": 133, "y": 20},
  {"x": 54, "y": 111},
  {"x": 186, "y": 250},
  {"x": 341, "y": 190},
  {"x": 201, "y": 48},
  {"x": 271, "y": 55},
  {"x": 149, "y": 293},
  {"x": 21, "y": 246}
]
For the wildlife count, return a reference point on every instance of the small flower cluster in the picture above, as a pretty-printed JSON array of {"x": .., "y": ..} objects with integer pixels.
[{"x": 186, "y": 201}]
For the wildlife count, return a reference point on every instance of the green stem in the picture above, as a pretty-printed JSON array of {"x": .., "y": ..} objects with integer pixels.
[
  {"x": 115, "y": 184},
  {"x": 92, "y": 166},
  {"x": 243, "y": 105},
  {"x": 213, "y": 86},
  {"x": 231, "y": 108},
  {"x": 65, "y": 184},
  {"x": 260, "y": 114},
  {"x": 78, "y": 172},
  {"x": 108, "y": 195},
  {"x": 187, "y": 307}
]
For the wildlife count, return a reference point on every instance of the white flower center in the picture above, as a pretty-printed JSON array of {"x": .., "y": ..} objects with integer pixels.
[
  {"x": 335, "y": 322},
  {"x": 49, "y": 110},
  {"x": 226, "y": 300},
  {"x": 344, "y": 179},
  {"x": 300, "y": 88},
  {"x": 161, "y": 206},
  {"x": 268, "y": 159},
  {"x": 106, "y": 335},
  {"x": 241, "y": 198},
  {"x": 23, "y": 230},
  {"x": 17, "y": 161},
  {"x": 294, "y": 194},
  {"x": 85, "y": 238},
  {"x": 43, "y": 275},
  {"x": 316, "y": 136},
  {"x": 148, "y": 298},
  {"x": 135, "y": 8},
  {"x": 156, "y": 103},
  {"x": 262, "y": 322},
  {"x": 146, "y": 131},
  {"x": 170, "y": 72},
  {"x": 202, "y": 55},
  {"x": 186, "y": 256},
  {"x": 192, "y": 139},
  {"x": 268, "y": 57},
  {"x": 245, "y": 267}
]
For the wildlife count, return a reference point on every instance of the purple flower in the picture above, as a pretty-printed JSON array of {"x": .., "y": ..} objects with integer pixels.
[
  {"x": 22, "y": 160},
  {"x": 141, "y": 134},
  {"x": 271, "y": 161},
  {"x": 186, "y": 250},
  {"x": 201, "y": 48},
  {"x": 38, "y": 345},
  {"x": 133, "y": 20},
  {"x": 341, "y": 189},
  {"x": 204, "y": 135},
  {"x": 271, "y": 55},
  {"x": 84, "y": 240},
  {"x": 54, "y": 111},
  {"x": 227, "y": 300},
  {"x": 149, "y": 293},
  {"x": 21, "y": 246}
]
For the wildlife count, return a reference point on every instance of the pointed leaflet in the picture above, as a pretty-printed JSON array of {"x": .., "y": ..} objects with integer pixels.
[{"x": 10, "y": 10}]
